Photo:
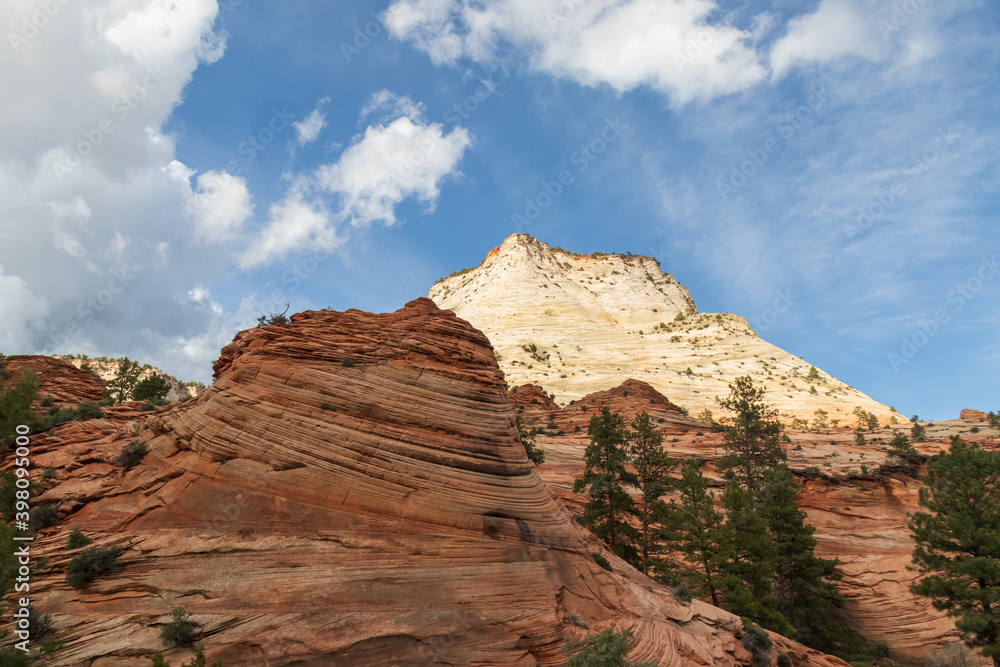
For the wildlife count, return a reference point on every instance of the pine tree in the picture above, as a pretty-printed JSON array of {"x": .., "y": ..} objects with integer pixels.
[
  {"x": 752, "y": 437},
  {"x": 696, "y": 531},
  {"x": 751, "y": 554},
  {"x": 801, "y": 581},
  {"x": 120, "y": 387},
  {"x": 606, "y": 513},
  {"x": 652, "y": 468},
  {"x": 958, "y": 542},
  {"x": 16, "y": 406}
]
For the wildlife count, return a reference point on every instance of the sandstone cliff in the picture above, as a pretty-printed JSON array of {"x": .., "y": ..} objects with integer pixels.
[
  {"x": 576, "y": 324},
  {"x": 350, "y": 491},
  {"x": 859, "y": 508}
]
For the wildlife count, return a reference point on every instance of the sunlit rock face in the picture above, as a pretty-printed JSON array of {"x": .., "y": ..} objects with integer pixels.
[
  {"x": 350, "y": 491},
  {"x": 577, "y": 324}
]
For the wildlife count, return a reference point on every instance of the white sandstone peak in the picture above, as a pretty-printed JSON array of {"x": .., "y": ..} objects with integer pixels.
[{"x": 575, "y": 324}]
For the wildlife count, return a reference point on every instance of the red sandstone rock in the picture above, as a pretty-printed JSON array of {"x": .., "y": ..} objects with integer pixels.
[
  {"x": 970, "y": 415},
  {"x": 350, "y": 491},
  {"x": 67, "y": 384},
  {"x": 860, "y": 514}
]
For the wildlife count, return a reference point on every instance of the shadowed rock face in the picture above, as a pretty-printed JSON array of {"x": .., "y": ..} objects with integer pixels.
[
  {"x": 860, "y": 514},
  {"x": 350, "y": 491}
]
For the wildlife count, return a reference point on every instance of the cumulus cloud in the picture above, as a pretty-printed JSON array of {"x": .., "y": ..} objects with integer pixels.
[
  {"x": 401, "y": 156},
  {"x": 218, "y": 206},
  {"x": 307, "y": 130},
  {"x": 404, "y": 157},
  {"x": 21, "y": 311},
  {"x": 672, "y": 47},
  {"x": 837, "y": 28},
  {"x": 293, "y": 222},
  {"x": 89, "y": 187}
]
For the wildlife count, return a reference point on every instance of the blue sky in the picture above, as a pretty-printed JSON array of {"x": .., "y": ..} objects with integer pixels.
[{"x": 834, "y": 160}]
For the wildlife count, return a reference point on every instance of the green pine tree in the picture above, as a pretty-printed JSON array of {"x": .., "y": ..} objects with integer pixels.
[
  {"x": 120, "y": 387},
  {"x": 652, "y": 468},
  {"x": 751, "y": 555},
  {"x": 606, "y": 513},
  {"x": 958, "y": 542},
  {"x": 752, "y": 437},
  {"x": 16, "y": 406},
  {"x": 696, "y": 532},
  {"x": 801, "y": 581}
]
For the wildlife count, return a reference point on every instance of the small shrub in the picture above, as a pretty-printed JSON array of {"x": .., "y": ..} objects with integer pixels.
[
  {"x": 974, "y": 429},
  {"x": 181, "y": 631},
  {"x": 44, "y": 516},
  {"x": 602, "y": 561},
  {"x": 91, "y": 564},
  {"x": 347, "y": 362},
  {"x": 12, "y": 657},
  {"x": 578, "y": 621},
  {"x": 132, "y": 455},
  {"x": 47, "y": 401},
  {"x": 48, "y": 472},
  {"x": 784, "y": 660},
  {"x": 756, "y": 640},
  {"x": 88, "y": 410},
  {"x": 606, "y": 649},
  {"x": 681, "y": 592},
  {"x": 77, "y": 539},
  {"x": 327, "y": 407},
  {"x": 38, "y": 624}
]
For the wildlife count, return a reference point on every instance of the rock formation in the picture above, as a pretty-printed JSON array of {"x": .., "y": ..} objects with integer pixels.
[
  {"x": 856, "y": 498},
  {"x": 576, "y": 324},
  {"x": 64, "y": 382},
  {"x": 106, "y": 369},
  {"x": 350, "y": 491}
]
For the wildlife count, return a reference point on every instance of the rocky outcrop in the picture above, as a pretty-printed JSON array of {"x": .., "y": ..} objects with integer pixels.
[
  {"x": 64, "y": 382},
  {"x": 350, "y": 491},
  {"x": 106, "y": 369},
  {"x": 970, "y": 415},
  {"x": 858, "y": 501},
  {"x": 578, "y": 324}
]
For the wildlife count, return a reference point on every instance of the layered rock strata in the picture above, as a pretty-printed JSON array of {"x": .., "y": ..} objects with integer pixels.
[
  {"x": 350, "y": 491},
  {"x": 577, "y": 324}
]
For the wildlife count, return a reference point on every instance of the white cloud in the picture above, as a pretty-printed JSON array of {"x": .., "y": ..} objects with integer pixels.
[
  {"x": 401, "y": 157},
  {"x": 837, "y": 28},
  {"x": 95, "y": 86},
  {"x": 292, "y": 223},
  {"x": 21, "y": 312},
  {"x": 669, "y": 46},
  {"x": 219, "y": 206},
  {"x": 308, "y": 129}
]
